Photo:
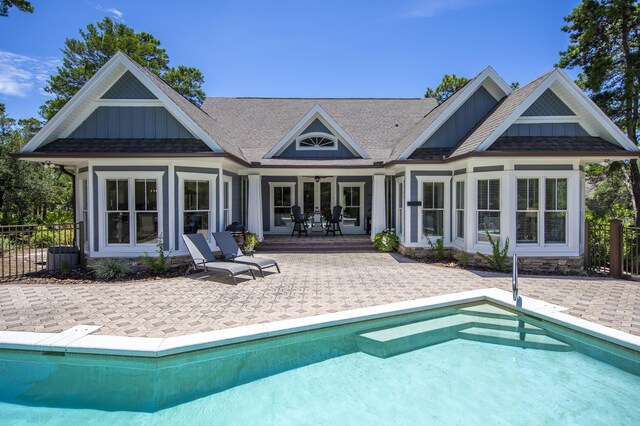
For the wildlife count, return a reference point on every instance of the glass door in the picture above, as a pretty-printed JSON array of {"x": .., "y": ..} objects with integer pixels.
[
  {"x": 316, "y": 197},
  {"x": 352, "y": 202}
]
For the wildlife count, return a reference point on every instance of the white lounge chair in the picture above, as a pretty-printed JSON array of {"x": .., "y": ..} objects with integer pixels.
[{"x": 202, "y": 258}]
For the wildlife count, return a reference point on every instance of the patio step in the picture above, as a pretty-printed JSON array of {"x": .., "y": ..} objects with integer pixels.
[
  {"x": 514, "y": 338},
  {"x": 315, "y": 244},
  {"x": 488, "y": 311},
  {"x": 393, "y": 341}
]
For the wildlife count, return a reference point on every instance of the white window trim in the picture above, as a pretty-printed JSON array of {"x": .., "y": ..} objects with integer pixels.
[
  {"x": 130, "y": 177},
  {"x": 316, "y": 148},
  {"x": 229, "y": 180},
  {"x": 454, "y": 208},
  {"x": 504, "y": 208},
  {"x": 446, "y": 211},
  {"x": 211, "y": 178},
  {"x": 83, "y": 186},
  {"x": 341, "y": 186},
  {"x": 544, "y": 210},
  {"x": 400, "y": 209},
  {"x": 272, "y": 186}
]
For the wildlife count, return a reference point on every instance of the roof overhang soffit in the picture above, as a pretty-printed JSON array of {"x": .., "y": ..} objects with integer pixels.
[{"x": 317, "y": 112}]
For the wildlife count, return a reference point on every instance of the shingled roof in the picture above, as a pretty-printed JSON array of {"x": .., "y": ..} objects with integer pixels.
[{"x": 258, "y": 124}]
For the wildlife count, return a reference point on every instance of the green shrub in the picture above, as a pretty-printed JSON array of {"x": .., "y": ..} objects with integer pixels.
[
  {"x": 158, "y": 264},
  {"x": 112, "y": 269},
  {"x": 437, "y": 248},
  {"x": 499, "y": 260},
  {"x": 251, "y": 241},
  {"x": 386, "y": 241},
  {"x": 463, "y": 259}
]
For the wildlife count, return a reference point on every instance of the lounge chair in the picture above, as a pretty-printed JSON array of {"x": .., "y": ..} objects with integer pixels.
[
  {"x": 202, "y": 258},
  {"x": 232, "y": 253}
]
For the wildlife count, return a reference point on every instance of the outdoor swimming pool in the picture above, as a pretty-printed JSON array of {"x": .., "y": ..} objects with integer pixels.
[{"x": 461, "y": 365}]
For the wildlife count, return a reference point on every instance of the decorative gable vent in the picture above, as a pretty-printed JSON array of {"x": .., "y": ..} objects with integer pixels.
[{"x": 316, "y": 141}]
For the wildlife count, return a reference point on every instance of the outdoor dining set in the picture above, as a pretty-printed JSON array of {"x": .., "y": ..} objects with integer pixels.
[{"x": 305, "y": 223}]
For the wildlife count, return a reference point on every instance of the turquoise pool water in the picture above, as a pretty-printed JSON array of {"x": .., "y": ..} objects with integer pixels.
[{"x": 445, "y": 372}]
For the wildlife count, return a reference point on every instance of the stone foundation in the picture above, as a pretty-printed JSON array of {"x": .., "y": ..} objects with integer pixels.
[{"x": 530, "y": 265}]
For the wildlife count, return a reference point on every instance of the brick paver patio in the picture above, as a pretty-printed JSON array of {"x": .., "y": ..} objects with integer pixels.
[{"x": 310, "y": 284}]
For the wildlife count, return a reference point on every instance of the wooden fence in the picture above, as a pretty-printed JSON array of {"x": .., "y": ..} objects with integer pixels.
[{"x": 613, "y": 249}]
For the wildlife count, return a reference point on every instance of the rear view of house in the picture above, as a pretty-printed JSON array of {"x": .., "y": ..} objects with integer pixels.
[{"x": 487, "y": 161}]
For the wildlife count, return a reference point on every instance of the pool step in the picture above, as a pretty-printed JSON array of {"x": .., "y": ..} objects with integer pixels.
[
  {"x": 514, "y": 338},
  {"x": 488, "y": 311},
  {"x": 393, "y": 341}
]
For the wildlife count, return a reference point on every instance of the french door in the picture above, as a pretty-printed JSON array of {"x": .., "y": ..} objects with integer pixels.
[
  {"x": 317, "y": 196},
  {"x": 352, "y": 202}
]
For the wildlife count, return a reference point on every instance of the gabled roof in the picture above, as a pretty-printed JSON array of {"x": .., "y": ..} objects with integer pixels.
[
  {"x": 436, "y": 118},
  {"x": 88, "y": 99},
  {"x": 512, "y": 107},
  {"x": 317, "y": 113},
  {"x": 257, "y": 125}
]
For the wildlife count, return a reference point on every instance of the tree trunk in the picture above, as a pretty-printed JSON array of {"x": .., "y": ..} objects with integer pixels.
[{"x": 635, "y": 187}]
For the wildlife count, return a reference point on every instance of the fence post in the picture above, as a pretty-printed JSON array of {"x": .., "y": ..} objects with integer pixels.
[
  {"x": 586, "y": 247},
  {"x": 81, "y": 244},
  {"x": 616, "y": 249}
]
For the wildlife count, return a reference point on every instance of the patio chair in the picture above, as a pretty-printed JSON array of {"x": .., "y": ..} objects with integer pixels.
[
  {"x": 232, "y": 253},
  {"x": 299, "y": 221},
  {"x": 202, "y": 258},
  {"x": 334, "y": 221}
]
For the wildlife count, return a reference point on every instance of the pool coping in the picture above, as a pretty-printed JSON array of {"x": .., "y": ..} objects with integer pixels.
[{"x": 79, "y": 339}]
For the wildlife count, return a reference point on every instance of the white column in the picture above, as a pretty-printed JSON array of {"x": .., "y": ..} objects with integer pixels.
[
  {"x": 378, "y": 206},
  {"x": 254, "y": 207}
]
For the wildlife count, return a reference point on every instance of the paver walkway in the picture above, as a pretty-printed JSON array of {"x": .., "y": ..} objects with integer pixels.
[{"x": 310, "y": 284}]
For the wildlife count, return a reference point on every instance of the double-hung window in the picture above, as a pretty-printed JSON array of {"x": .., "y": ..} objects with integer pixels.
[
  {"x": 131, "y": 209},
  {"x": 488, "y": 209},
  {"x": 117, "y": 211},
  {"x": 432, "y": 209},
  {"x": 460, "y": 209},
  {"x": 196, "y": 208},
  {"x": 555, "y": 211},
  {"x": 146, "y": 208},
  {"x": 528, "y": 204}
]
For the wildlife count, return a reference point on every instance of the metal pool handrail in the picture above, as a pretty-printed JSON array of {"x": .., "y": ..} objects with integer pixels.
[{"x": 514, "y": 278}]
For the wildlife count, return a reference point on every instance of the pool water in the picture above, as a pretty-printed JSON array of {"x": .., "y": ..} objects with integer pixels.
[{"x": 342, "y": 378}]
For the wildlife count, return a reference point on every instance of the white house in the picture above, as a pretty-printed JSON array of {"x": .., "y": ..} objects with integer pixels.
[{"x": 149, "y": 163}]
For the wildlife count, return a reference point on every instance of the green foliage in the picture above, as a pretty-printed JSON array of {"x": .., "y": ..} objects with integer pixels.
[
  {"x": 251, "y": 241},
  {"x": 29, "y": 193},
  {"x": 158, "y": 264},
  {"x": 83, "y": 57},
  {"x": 21, "y": 5},
  {"x": 463, "y": 259},
  {"x": 112, "y": 269},
  {"x": 386, "y": 241},
  {"x": 449, "y": 85},
  {"x": 437, "y": 248},
  {"x": 609, "y": 196},
  {"x": 65, "y": 268},
  {"x": 604, "y": 44},
  {"x": 499, "y": 260},
  {"x": 187, "y": 81}
]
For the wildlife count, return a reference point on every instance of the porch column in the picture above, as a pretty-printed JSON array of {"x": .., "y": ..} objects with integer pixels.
[
  {"x": 254, "y": 206},
  {"x": 378, "y": 206}
]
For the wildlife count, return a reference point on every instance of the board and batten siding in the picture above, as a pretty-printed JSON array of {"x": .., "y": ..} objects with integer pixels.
[
  {"x": 463, "y": 120},
  {"x": 546, "y": 129},
  {"x": 119, "y": 122}
]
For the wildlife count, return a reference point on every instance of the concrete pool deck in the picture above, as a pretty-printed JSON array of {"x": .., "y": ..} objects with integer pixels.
[{"x": 310, "y": 284}]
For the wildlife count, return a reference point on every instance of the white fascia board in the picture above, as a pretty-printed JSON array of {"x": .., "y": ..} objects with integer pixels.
[
  {"x": 467, "y": 91},
  {"x": 73, "y": 103},
  {"x": 317, "y": 112},
  {"x": 602, "y": 118},
  {"x": 517, "y": 112}
]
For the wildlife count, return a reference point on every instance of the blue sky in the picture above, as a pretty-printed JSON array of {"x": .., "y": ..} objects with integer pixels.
[{"x": 348, "y": 48}]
